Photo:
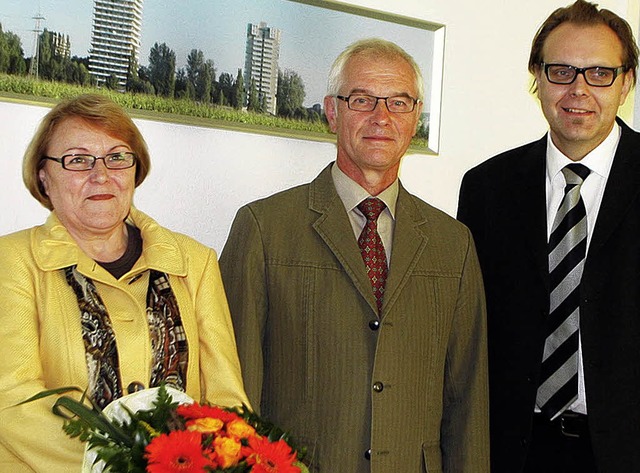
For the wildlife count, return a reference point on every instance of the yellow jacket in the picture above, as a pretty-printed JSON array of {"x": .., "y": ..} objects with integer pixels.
[{"x": 41, "y": 343}]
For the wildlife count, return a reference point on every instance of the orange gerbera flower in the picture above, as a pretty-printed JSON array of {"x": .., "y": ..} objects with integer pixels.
[
  {"x": 176, "y": 452},
  {"x": 270, "y": 457}
]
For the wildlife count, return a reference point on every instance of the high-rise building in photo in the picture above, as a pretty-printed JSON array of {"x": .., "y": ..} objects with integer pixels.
[
  {"x": 261, "y": 63},
  {"x": 115, "y": 39}
]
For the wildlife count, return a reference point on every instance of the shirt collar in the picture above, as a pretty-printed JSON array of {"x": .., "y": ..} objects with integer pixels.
[
  {"x": 54, "y": 248},
  {"x": 351, "y": 193},
  {"x": 599, "y": 160}
]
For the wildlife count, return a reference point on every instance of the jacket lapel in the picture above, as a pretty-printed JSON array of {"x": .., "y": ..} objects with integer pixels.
[
  {"x": 410, "y": 237},
  {"x": 334, "y": 228},
  {"x": 529, "y": 208},
  {"x": 621, "y": 189}
]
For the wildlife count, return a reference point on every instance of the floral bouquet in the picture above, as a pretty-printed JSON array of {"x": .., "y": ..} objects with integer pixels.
[{"x": 161, "y": 430}]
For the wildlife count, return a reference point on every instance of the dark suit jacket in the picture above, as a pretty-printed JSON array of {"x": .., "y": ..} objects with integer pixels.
[
  {"x": 503, "y": 203},
  {"x": 415, "y": 389}
]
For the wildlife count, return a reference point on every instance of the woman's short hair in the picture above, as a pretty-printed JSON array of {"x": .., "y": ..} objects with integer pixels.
[
  {"x": 374, "y": 47},
  {"x": 100, "y": 112}
]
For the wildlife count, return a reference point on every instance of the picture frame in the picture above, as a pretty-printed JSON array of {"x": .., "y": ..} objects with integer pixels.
[
  {"x": 423, "y": 40},
  {"x": 310, "y": 34}
]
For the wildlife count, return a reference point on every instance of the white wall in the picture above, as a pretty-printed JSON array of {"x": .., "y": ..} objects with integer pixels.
[{"x": 201, "y": 176}]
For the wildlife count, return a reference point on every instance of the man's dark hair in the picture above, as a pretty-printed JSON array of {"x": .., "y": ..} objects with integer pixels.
[{"x": 586, "y": 14}]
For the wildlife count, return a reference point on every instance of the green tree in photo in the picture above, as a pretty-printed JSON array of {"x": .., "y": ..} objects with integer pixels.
[
  {"x": 47, "y": 66},
  {"x": 200, "y": 75},
  {"x": 253, "y": 101},
  {"x": 204, "y": 84},
  {"x": 136, "y": 84},
  {"x": 184, "y": 89},
  {"x": 225, "y": 88},
  {"x": 11, "y": 54},
  {"x": 55, "y": 63},
  {"x": 290, "y": 95},
  {"x": 77, "y": 72},
  {"x": 195, "y": 62},
  {"x": 162, "y": 69},
  {"x": 238, "y": 91},
  {"x": 423, "y": 129}
]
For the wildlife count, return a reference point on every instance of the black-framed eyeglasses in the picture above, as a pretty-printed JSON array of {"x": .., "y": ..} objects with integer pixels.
[
  {"x": 368, "y": 103},
  {"x": 597, "y": 76},
  {"x": 86, "y": 162}
]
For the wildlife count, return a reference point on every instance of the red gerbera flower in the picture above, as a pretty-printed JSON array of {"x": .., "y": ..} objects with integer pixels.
[
  {"x": 179, "y": 451},
  {"x": 198, "y": 411},
  {"x": 270, "y": 457}
]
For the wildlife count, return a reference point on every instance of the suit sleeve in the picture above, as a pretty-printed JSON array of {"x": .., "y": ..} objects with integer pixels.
[
  {"x": 470, "y": 205},
  {"x": 465, "y": 423},
  {"x": 243, "y": 268}
]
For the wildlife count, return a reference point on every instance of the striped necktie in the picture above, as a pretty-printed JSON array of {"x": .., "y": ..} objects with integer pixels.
[
  {"x": 567, "y": 251},
  {"x": 372, "y": 249}
]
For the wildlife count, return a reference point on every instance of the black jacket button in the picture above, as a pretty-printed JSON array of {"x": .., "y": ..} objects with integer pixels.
[
  {"x": 378, "y": 386},
  {"x": 134, "y": 387},
  {"x": 374, "y": 325}
]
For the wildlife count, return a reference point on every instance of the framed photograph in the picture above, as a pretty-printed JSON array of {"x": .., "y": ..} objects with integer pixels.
[
  {"x": 258, "y": 66},
  {"x": 326, "y": 28}
]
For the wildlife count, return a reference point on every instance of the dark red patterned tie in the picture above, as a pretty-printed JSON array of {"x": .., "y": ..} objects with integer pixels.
[{"x": 372, "y": 249}]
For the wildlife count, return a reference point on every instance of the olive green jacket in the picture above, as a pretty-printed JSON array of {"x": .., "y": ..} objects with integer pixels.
[{"x": 414, "y": 390}]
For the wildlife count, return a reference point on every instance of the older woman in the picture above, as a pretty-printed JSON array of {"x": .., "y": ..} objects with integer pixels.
[{"x": 101, "y": 296}]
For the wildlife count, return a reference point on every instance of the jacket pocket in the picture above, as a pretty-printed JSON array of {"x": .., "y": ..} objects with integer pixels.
[{"x": 431, "y": 458}]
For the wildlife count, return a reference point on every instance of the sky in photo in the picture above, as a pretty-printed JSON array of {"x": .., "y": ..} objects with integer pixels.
[{"x": 311, "y": 36}]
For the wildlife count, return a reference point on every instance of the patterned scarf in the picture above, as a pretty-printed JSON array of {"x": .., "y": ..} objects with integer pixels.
[{"x": 168, "y": 338}]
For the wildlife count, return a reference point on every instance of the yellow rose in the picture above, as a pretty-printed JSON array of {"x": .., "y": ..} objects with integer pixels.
[
  {"x": 240, "y": 429},
  {"x": 228, "y": 450},
  {"x": 205, "y": 425}
]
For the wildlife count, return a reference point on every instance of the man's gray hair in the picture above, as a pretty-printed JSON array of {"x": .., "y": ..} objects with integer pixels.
[{"x": 374, "y": 47}]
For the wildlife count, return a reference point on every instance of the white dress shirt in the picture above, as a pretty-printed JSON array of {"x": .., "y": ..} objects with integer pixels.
[{"x": 599, "y": 162}]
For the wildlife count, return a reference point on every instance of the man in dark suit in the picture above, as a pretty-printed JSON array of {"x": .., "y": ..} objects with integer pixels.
[
  {"x": 556, "y": 223},
  {"x": 371, "y": 377}
]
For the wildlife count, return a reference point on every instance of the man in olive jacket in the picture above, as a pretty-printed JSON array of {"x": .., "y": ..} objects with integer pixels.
[{"x": 402, "y": 388}]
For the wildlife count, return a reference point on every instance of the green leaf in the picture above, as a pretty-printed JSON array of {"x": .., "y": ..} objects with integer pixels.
[
  {"x": 93, "y": 418},
  {"x": 51, "y": 392}
]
